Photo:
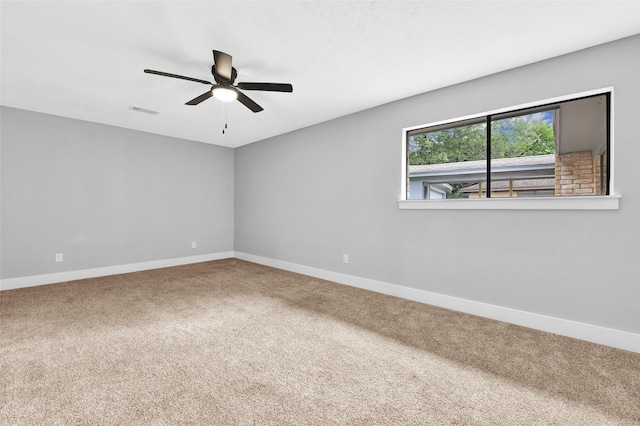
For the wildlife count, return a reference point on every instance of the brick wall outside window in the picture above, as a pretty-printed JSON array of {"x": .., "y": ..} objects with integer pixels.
[{"x": 578, "y": 173}]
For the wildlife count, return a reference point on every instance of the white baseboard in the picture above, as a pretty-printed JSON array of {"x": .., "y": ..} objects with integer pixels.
[
  {"x": 591, "y": 333},
  {"x": 35, "y": 280}
]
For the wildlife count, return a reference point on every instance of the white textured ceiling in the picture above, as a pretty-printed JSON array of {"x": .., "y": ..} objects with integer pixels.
[{"x": 85, "y": 60}]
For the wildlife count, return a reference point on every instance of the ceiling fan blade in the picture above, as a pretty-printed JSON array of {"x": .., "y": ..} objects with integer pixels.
[
  {"x": 268, "y": 87},
  {"x": 246, "y": 101},
  {"x": 222, "y": 64},
  {"x": 166, "y": 74},
  {"x": 203, "y": 97}
]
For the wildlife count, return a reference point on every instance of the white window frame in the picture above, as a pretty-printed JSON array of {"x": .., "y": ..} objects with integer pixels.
[{"x": 589, "y": 202}]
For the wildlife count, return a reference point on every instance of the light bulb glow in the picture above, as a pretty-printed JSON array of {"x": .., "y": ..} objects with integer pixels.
[{"x": 225, "y": 94}]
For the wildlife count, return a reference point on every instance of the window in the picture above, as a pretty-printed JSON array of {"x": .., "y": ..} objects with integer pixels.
[
  {"x": 450, "y": 158},
  {"x": 552, "y": 150}
]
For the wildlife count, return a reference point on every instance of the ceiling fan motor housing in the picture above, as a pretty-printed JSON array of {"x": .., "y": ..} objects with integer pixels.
[{"x": 220, "y": 79}]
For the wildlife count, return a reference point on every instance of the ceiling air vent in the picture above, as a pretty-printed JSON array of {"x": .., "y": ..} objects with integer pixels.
[{"x": 144, "y": 110}]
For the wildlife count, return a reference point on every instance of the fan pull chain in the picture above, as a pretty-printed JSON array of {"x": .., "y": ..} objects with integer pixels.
[{"x": 224, "y": 109}]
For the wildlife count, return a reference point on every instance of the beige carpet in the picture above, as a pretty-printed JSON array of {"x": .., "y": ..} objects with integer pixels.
[{"x": 231, "y": 342}]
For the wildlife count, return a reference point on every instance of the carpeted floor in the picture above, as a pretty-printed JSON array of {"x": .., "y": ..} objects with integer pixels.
[{"x": 234, "y": 343}]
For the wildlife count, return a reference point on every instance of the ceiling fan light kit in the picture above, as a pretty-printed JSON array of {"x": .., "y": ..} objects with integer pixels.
[
  {"x": 223, "y": 88},
  {"x": 225, "y": 94}
]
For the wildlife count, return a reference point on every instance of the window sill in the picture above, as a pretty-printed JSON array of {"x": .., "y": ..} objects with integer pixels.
[{"x": 608, "y": 202}]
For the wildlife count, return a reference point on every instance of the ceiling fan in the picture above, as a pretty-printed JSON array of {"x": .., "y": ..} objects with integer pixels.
[{"x": 223, "y": 88}]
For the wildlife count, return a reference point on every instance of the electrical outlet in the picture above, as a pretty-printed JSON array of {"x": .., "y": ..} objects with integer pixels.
[
  {"x": 59, "y": 257},
  {"x": 345, "y": 258},
  {"x": 193, "y": 244}
]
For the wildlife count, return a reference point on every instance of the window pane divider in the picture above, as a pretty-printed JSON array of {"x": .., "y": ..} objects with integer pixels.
[{"x": 488, "y": 147}]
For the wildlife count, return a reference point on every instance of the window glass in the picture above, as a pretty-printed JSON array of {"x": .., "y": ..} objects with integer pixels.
[
  {"x": 444, "y": 162},
  {"x": 582, "y": 151},
  {"x": 559, "y": 150},
  {"x": 523, "y": 155}
]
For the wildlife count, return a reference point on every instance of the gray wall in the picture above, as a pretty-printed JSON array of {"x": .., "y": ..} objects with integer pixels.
[
  {"x": 309, "y": 196},
  {"x": 106, "y": 196}
]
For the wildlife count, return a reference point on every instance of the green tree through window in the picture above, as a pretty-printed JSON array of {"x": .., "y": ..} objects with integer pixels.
[{"x": 510, "y": 137}]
